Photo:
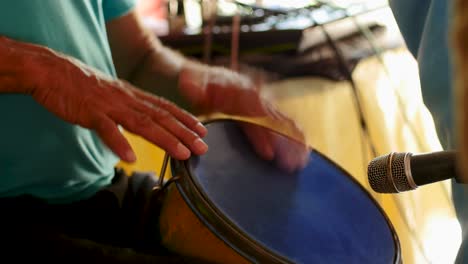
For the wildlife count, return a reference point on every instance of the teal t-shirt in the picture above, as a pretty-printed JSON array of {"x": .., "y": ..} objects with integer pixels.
[{"x": 40, "y": 154}]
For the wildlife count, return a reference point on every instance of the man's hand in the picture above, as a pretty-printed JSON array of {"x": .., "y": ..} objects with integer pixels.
[
  {"x": 216, "y": 89},
  {"x": 83, "y": 96}
]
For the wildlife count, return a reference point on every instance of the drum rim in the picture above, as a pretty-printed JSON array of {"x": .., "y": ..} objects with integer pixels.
[
  {"x": 223, "y": 228},
  {"x": 229, "y": 233}
]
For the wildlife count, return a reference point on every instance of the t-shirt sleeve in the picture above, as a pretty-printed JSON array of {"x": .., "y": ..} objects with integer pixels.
[{"x": 116, "y": 8}]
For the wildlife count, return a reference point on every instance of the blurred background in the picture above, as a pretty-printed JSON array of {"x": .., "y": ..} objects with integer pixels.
[{"x": 342, "y": 71}]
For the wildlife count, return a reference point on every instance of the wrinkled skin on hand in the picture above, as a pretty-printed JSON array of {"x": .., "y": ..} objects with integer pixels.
[
  {"x": 81, "y": 95},
  {"x": 215, "y": 89}
]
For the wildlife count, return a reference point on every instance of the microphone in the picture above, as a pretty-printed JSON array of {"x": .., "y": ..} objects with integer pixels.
[{"x": 404, "y": 171}]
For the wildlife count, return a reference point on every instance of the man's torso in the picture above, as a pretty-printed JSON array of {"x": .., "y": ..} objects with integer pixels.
[{"x": 39, "y": 153}]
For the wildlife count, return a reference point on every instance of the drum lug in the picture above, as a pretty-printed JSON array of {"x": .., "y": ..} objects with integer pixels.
[
  {"x": 155, "y": 200},
  {"x": 161, "y": 185}
]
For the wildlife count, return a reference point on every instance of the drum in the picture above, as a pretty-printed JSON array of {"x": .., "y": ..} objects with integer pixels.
[{"x": 230, "y": 206}]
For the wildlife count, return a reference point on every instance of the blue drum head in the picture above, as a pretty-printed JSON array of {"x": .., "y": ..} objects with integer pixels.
[{"x": 318, "y": 215}]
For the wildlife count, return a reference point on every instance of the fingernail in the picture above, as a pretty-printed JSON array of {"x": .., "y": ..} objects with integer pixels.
[
  {"x": 200, "y": 146},
  {"x": 183, "y": 151},
  {"x": 130, "y": 156},
  {"x": 201, "y": 129}
]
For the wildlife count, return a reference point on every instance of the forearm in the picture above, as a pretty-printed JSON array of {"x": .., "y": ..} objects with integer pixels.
[
  {"x": 145, "y": 61},
  {"x": 15, "y": 70},
  {"x": 158, "y": 72}
]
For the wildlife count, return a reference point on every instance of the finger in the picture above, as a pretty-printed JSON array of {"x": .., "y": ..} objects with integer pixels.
[
  {"x": 305, "y": 156},
  {"x": 286, "y": 161},
  {"x": 277, "y": 115},
  {"x": 173, "y": 126},
  {"x": 143, "y": 125},
  {"x": 291, "y": 156},
  {"x": 183, "y": 116},
  {"x": 261, "y": 140},
  {"x": 113, "y": 138}
]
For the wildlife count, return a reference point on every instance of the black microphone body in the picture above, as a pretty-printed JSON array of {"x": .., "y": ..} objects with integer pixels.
[
  {"x": 399, "y": 172},
  {"x": 433, "y": 167}
]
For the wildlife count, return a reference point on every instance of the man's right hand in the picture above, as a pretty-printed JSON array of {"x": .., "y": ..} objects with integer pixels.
[
  {"x": 81, "y": 95},
  {"x": 217, "y": 89}
]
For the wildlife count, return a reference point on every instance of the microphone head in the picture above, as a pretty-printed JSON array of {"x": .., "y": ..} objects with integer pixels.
[{"x": 391, "y": 173}]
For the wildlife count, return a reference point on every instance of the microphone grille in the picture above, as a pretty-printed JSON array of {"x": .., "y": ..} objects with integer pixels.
[
  {"x": 387, "y": 174},
  {"x": 377, "y": 173}
]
